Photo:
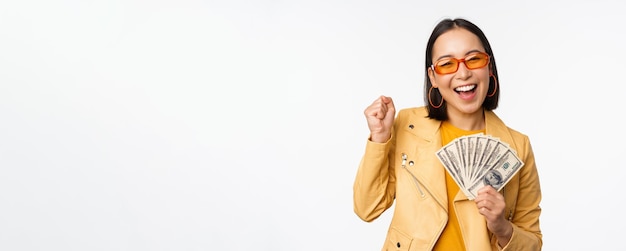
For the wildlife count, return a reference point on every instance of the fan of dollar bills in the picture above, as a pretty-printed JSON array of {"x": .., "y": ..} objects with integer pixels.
[{"x": 475, "y": 161}]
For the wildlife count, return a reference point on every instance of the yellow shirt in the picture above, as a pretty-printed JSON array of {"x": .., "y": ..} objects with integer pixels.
[{"x": 451, "y": 238}]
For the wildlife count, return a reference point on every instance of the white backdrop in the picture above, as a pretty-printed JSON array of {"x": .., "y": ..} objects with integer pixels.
[{"x": 238, "y": 125}]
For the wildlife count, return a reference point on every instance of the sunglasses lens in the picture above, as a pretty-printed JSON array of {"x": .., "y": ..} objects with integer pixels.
[
  {"x": 446, "y": 66},
  {"x": 476, "y": 61}
]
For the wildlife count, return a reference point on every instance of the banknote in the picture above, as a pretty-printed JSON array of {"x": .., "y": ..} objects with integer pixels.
[{"x": 478, "y": 160}]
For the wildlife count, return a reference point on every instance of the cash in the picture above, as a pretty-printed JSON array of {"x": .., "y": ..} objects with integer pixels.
[{"x": 477, "y": 160}]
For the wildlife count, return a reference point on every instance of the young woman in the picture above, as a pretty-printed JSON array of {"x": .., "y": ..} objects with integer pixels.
[{"x": 399, "y": 164}]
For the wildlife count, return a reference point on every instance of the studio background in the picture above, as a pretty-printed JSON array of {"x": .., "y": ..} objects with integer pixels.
[{"x": 238, "y": 125}]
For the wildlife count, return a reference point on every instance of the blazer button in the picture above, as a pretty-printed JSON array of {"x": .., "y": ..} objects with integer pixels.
[
  {"x": 411, "y": 163},
  {"x": 398, "y": 244},
  {"x": 411, "y": 126}
]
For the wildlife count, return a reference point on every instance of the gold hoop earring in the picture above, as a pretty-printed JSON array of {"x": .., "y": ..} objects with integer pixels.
[
  {"x": 430, "y": 100},
  {"x": 495, "y": 85}
]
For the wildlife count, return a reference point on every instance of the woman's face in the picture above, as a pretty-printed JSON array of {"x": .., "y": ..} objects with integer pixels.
[{"x": 464, "y": 90}]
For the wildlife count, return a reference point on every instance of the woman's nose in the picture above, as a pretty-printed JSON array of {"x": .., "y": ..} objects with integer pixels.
[{"x": 463, "y": 72}]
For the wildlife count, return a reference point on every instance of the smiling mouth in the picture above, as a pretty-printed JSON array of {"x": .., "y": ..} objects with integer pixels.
[{"x": 465, "y": 89}]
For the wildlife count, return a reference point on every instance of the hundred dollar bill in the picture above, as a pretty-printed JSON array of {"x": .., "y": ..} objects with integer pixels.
[
  {"x": 452, "y": 171},
  {"x": 498, "y": 150},
  {"x": 471, "y": 148},
  {"x": 482, "y": 146},
  {"x": 463, "y": 153},
  {"x": 452, "y": 153},
  {"x": 499, "y": 174}
]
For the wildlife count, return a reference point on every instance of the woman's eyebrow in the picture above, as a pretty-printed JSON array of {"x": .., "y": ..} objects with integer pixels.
[
  {"x": 473, "y": 51},
  {"x": 450, "y": 56}
]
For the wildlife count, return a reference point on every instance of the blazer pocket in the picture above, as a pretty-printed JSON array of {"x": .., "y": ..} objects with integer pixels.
[{"x": 397, "y": 240}]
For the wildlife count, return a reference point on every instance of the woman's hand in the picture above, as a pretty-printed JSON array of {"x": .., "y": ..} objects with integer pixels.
[
  {"x": 380, "y": 116},
  {"x": 491, "y": 204}
]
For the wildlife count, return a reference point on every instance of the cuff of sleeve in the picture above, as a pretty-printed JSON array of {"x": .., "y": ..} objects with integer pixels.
[
  {"x": 510, "y": 240},
  {"x": 377, "y": 149}
]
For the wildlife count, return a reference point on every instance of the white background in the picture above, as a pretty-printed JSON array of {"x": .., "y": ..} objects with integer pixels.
[{"x": 238, "y": 125}]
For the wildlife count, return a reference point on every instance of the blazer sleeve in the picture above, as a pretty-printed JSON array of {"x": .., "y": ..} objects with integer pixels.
[
  {"x": 526, "y": 231},
  {"x": 375, "y": 183}
]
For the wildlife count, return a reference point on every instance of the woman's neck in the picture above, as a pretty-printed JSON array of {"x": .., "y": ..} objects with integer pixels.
[{"x": 468, "y": 122}]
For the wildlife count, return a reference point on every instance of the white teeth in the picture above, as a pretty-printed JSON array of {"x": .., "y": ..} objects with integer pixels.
[{"x": 465, "y": 88}]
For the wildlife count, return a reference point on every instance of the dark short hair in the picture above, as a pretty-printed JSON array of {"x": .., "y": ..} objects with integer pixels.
[{"x": 490, "y": 103}]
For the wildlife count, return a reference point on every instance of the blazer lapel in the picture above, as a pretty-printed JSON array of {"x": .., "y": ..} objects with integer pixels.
[
  {"x": 496, "y": 127},
  {"x": 428, "y": 169}
]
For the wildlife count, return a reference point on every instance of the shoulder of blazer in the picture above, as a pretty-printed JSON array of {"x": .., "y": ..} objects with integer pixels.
[
  {"x": 416, "y": 120},
  {"x": 497, "y": 128}
]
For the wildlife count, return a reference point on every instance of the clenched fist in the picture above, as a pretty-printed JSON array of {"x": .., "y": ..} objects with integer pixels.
[{"x": 380, "y": 116}]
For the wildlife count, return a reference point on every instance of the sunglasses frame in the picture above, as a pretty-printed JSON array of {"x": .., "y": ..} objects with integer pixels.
[{"x": 462, "y": 60}]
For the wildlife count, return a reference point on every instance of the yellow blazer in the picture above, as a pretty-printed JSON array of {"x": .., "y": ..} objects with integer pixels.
[{"x": 419, "y": 188}]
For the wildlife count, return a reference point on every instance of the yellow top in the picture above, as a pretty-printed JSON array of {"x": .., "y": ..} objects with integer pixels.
[{"x": 451, "y": 238}]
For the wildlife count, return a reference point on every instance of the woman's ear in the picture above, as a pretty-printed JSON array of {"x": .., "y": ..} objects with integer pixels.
[{"x": 431, "y": 76}]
